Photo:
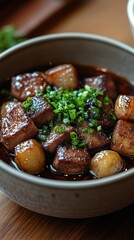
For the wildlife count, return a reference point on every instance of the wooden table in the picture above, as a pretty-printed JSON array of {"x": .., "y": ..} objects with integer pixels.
[{"x": 104, "y": 17}]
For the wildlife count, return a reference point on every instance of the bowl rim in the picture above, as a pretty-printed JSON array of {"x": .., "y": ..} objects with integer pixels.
[
  {"x": 68, "y": 35},
  {"x": 60, "y": 183},
  {"x": 65, "y": 184},
  {"x": 130, "y": 11}
]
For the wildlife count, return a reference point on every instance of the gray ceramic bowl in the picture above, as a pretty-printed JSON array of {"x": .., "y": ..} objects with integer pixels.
[{"x": 58, "y": 198}]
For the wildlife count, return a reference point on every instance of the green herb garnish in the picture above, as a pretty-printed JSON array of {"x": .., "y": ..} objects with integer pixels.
[
  {"x": 93, "y": 124},
  {"x": 112, "y": 116},
  {"x": 44, "y": 132},
  {"x": 88, "y": 130},
  {"x": 99, "y": 128},
  {"x": 27, "y": 104},
  {"x": 60, "y": 129},
  {"x": 76, "y": 141},
  {"x": 70, "y": 106},
  {"x": 8, "y": 38},
  {"x": 106, "y": 100},
  {"x": 96, "y": 112}
]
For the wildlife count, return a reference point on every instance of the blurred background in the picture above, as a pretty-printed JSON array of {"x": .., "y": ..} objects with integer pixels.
[{"x": 32, "y": 18}]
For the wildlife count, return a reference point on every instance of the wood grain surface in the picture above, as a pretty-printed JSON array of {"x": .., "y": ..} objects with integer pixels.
[
  {"x": 104, "y": 17},
  {"x": 17, "y": 223},
  {"x": 27, "y": 15}
]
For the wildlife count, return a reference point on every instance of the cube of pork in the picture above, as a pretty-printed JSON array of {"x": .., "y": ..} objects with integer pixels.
[
  {"x": 27, "y": 85},
  {"x": 124, "y": 107},
  {"x": 64, "y": 76},
  {"x": 94, "y": 140},
  {"x": 71, "y": 161},
  {"x": 123, "y": 138},
  {"x": 40, "y": 111},
  {"x": 107, "y": 116},
  {"x": 103, "y": 83},
  {"x": 16, "y": 126},
  {"x": 54, "y": 139},
  {"x": 106, "y": 112}
]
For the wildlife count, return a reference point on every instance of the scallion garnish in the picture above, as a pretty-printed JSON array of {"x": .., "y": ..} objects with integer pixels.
[
  {"x": 70, "y": 106},
  {"x": 76, "y": 141},
  {"x": 112, "y": 116},
  {"x": 27, "y": 104},
  {"x": 59, "y": 129},
  {"x": 106, "y": 100}
]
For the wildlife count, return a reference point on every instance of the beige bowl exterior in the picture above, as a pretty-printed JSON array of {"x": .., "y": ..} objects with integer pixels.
[{"x": 59, "y": 198}]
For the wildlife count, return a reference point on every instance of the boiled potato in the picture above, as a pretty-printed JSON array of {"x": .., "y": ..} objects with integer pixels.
[
  {"x": 30, "y": 156},
  {"x": 106, "y": 163}
]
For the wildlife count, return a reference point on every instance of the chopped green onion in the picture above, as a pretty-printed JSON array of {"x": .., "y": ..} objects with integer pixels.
[
  {"x": 96, "y": 112},
  {"x": 66, "y": 121},
  {"x": 60, "y": 129},
  {"x": 106, "y": 100},
  {"x": 88, "y": 130},
  {"x": 76, "y": 141},
  {"x": 70, "y": 106},
  {"x": 94, "y": 123},
  {"x": 112, "y": 116},
  {"x": 44, "y": 132},
  {"x": 8, "y": 38},
  {"x": 27, "y": 104},
  {"x": 99, "y": 128}
]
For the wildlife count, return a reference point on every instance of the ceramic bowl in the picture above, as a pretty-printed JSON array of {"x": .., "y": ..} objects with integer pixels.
[
  {"x": 59, "y": 198},
  {"x": 130, "y": 13}
]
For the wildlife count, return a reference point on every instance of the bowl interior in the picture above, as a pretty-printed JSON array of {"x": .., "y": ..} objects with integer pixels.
[{"x": 81, "y": 49}]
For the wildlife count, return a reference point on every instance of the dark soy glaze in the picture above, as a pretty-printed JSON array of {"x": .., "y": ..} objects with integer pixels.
[{"x": 123, "y": 87}]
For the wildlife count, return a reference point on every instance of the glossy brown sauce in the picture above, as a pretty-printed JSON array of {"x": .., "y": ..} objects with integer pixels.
[{"x": 123, "y": 87}]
